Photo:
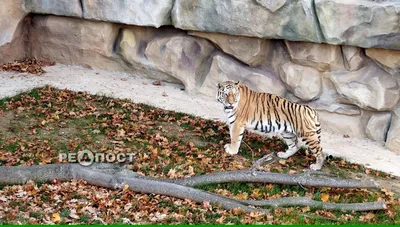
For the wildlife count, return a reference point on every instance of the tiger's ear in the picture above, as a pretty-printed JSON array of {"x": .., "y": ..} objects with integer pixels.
[
  {"x": 237, "y": 82},
  {"x": 218, "y": 85}
]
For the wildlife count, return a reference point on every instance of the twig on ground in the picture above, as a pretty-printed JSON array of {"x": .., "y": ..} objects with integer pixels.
[
  {"x": 270, "y": 158},
  {"x": 252, "y": 152}
]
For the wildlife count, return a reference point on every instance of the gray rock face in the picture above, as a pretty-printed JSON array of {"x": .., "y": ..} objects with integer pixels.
[
  {"x": 323, "y": 57},
  {"x": 393, "y": 136},
  {"x": 225, "y": 68},
  {"x": 71, "y": 40},
  {"x": 387, "y": 59},
  {"x": 302, "y": 81},
  {"x": 252, "y": 51},
  {"x": 76, "y": 41},
  {"x": 135, "y": 12},
  {"x": 70, "y": 8},
  {"x": 133, "y": 43},
  {"x": 378, "y": 126},
  {"x": 364, "y": 23},
  {"x": 249, "y": 18},
  {"x": 369, "y": 88},
  {"x": 12, "y": 31},
  {"x": 272, "y": 5},
  {"x": 328, "y": 100},
  {"x": 183, "y": 57},
  {"x": 353, "y": 58},
  {"x": 353, "y": 126}
]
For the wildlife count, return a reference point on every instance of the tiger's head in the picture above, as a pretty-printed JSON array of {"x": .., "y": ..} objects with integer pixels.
[{"x": 228, "y": 94}]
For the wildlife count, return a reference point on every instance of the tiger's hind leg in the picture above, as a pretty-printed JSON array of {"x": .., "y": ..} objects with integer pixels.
[
  {"x": 314, "y": 146},
  {"x": 291, "y": 141}
]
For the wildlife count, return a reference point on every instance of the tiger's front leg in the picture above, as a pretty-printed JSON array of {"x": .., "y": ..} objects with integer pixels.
[{"x": 236, "y": 132}]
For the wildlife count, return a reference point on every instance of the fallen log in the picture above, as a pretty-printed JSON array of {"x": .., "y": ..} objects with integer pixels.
[{"x": 116, "y": 177}]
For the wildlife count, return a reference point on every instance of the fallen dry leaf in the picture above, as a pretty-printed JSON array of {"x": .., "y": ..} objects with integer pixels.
[
  {"x": 324, "y": 197},
  {"x": 156, "y": 83},
  {"x": 55, "y": 217}
]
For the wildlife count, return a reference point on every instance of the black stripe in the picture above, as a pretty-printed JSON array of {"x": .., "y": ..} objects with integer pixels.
[
  {"x": 262, "y": 126},
  {"x": 279, "y": 124},
  {"x": 255, "y": 128},
  {"x": 232, "y": 122}
]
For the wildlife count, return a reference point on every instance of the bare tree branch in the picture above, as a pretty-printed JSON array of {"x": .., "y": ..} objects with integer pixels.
[
  {"x": 305, "y": 201},
  {"x": 115, "y": 177},
  {"x": 274, "y": 178}
]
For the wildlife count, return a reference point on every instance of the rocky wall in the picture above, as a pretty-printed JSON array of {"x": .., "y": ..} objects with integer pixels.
[
  {"x": 12, "y": 30},
  {"x": 355, "y": 90},
  {"x": 363, "y": 23}
]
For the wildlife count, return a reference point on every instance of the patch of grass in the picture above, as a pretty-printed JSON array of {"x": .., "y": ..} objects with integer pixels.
[
  {"x": 84, "y": 218},
  {"x": 75, "y": 195},
  {"x": 34, "y": 93},
  {"x": 3, "y": 102},
  {"x": 12, "y": 147},
  {"x": 35, "y": 215},
  {"x": 45, "y": 197},
  {"x": 65, "y": 212}
]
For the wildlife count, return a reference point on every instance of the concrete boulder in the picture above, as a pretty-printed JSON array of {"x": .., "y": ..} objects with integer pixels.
[
  {"x": 265, "y": 19},
  {"x": 134, "y": 12},
  {"x": 71, "y": 8},
  {"x": 181, "y": 56},
  {"x": 389, "y": 60},
  {"x": 353, "y": 126},
  {"x": 378, "y": 126},
  {"x": 393, "y": 136},
  {"x": 353, "y": 58},
  {"x": 369, "y": 88},
  {"x": 225, "y": 68},
  {"x": 272, "y": 5},
  {"x": 73, "y": 41},
  {"x": 13, "y": 31},
  {"x": 363, "y": 23},
  {"x": 328, "y": 100},
  {"x": 91, "y": 44},
  {"x": 322, "y": 57},
  {"x": 252, "y": 51},
  {"x": 304, "y": 82}
]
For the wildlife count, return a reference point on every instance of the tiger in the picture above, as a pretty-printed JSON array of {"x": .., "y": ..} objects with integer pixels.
[{"x": 270, "y": 114}]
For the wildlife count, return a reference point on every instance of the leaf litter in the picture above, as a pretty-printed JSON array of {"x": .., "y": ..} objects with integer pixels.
[
  {"x": 29, "y": 65},
  {"x": 35, "y": 127}
]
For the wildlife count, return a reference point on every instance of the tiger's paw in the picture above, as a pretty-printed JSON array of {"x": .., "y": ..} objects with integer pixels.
[
  {"x": 229, "y": 150},
  {"x": 282, "y": 155},
  {"x": 315, "y": 167}
]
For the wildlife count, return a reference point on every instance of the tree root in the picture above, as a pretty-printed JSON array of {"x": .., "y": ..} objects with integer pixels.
[{"x": 114, "y": 176}]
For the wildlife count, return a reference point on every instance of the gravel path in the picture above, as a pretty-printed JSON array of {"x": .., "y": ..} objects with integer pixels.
[{"x": 171, "y": 97}]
